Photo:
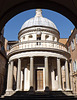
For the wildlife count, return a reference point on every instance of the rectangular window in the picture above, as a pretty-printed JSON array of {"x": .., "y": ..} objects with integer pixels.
[
  {"x": 74, "y": 66},
  {"x": 73, "y": 44}
]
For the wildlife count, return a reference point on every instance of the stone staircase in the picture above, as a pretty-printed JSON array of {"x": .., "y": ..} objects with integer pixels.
[{"x": 52, "y": 95}]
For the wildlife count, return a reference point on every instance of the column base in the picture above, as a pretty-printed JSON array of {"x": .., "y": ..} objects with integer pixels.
[
  {"x": 68, "y": 93},
  {"x": 71, "y": 89},
  {"x": 59, "y": 89},
  {"x": 9, "y": 92},
  {"x": 17, "y": 90},
  {"x": 47, "y": 89},
  {"x": 68, "y": 89},
  {"x": 31, "y": 89}
]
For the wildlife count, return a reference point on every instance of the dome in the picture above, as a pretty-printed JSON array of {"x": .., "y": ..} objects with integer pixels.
[{"x": 38, "y": 20}]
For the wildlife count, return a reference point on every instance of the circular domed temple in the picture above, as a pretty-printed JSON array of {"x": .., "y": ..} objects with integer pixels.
[{"x": 38, "y": 61}]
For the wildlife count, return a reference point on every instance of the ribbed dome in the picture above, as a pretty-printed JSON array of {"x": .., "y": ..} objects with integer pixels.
[{"x": 38, "y": 20}]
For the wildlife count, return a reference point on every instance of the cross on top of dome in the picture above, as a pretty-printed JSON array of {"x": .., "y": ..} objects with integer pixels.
[{"x": 38, "y": 13}]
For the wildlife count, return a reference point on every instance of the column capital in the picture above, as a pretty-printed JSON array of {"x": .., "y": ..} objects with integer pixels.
[
  {"x": 70, "y": 60},
  {"x": 11, "y": 61},
  {"x": 8, "y": 62},
  {"x": 66, "y": 59},
  {"x": 31, "y": 56},
  {"x": 19, "y": 58},
  {"x": 58, "y": 58},
  {"x": 46, "y": 56}
]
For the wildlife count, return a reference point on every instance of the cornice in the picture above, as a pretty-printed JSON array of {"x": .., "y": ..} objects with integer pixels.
[
  {"x": 42, "y": 28},
  {"x": 40, "y": 49}
]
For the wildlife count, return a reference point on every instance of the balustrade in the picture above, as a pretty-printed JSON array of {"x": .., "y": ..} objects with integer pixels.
[{"x": 38, "y": 44}]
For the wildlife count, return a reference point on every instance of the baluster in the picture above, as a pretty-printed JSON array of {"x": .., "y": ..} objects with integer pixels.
[
  {"x": 59, "y": 46},
  {"x": 50, "y": 45},
  {"x": 35, "y": 44},
  {"x": 28, "y": 45},
  {"x": 62, "y": 47},
  {"x": 53, "y": 45},
  {"x": 22, "y": 46},
  {"x": 42, "y": 44},
  {"x": 45, "y": 44},
  {"x": 31, "y": 45},
  {"x": 18, "y": 46},
  {"x": 25, "y": 45}
]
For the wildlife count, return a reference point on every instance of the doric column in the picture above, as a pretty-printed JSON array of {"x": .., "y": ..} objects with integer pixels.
[
  {"x": 31, "y": 74},
  {"x": 10, "y": 76},
  {"x": 25, "y": 79},
  {"x": 67, "y": 75},
  {"x": 21, "y": 80},
  {"x": 59, "y": 74},
  {"x": 19, "y": 75},
  {"x": 46, "y": 74}
]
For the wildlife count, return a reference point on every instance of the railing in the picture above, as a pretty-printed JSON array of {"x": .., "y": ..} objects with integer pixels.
[{"x": 38, "y": 44}]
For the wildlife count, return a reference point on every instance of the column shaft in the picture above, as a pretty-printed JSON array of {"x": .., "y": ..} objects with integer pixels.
[
  {"x": 19, "y": 75},
  {"x": 25, "y": 79},
  {"x": 67, "y": 75},
  {"x": 46, "y": 73},
  {"x": 10, "y": 77},
  {"x": 59, "y": 74},
  {"x": 21, "y": 87},
  {"x": 31, "y": 72}
]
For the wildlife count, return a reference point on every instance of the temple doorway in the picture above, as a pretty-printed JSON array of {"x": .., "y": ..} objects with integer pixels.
[{"x": 39, "y": 79}]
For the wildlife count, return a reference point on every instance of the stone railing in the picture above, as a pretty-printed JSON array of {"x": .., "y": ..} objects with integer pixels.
[{"x": 38, "y": 44}]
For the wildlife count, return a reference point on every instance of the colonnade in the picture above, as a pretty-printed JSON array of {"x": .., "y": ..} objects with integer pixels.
[{"x": 18, "y": 84}]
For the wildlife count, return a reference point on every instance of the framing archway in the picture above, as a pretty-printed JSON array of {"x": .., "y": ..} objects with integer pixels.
[{"x": 11, "y": 8}]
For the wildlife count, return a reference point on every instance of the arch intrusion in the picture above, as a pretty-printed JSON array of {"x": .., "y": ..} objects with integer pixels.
[{"x": 9, "y": 9}]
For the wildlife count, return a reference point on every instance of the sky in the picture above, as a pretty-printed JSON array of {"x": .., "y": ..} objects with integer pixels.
[{"x": 14, "y": 25}]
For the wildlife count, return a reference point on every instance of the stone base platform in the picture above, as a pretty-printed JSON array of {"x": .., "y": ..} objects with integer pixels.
[{"x": 51, "y": 95}]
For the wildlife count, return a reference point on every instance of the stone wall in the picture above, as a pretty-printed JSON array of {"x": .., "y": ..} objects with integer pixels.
[
  {"x": 72, "y": 48},
  {"x": 2, "y": 72}
]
